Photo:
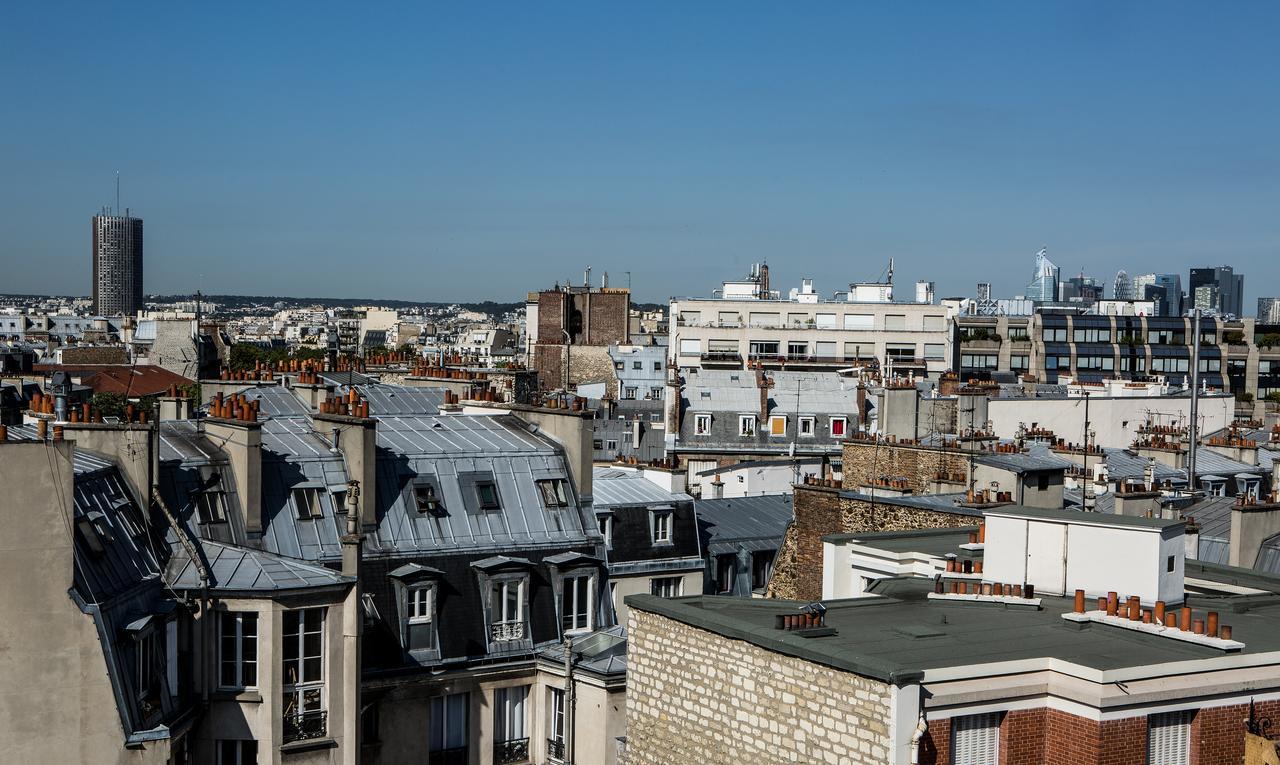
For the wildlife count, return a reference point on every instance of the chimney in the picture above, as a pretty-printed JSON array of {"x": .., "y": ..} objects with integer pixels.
[
  {"x": 717, "y": 488},
  {"x": 1253, "y": 521},
  {"x": 356, "y": 437},
  {"x": 131, "y": 445},
  {"x": 241, "y": 440},
  {"x": 174, "y": 406},
  {"x": 762, "y": 385},
  {"x": 1134, "y": 502}
]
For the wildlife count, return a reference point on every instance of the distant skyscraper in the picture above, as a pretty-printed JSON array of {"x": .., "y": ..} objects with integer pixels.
[
  {"x": 117, "y": 265},
  {"x": 1123, "y": 288},
  {"x": 1230, "y": 287},
  {"x": 1172, "y": 284},
  {"x": 1044, "y": 287},
  {"x": 1269, "y": 310}
]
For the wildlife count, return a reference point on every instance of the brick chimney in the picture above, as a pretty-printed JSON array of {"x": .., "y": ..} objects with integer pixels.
[
  {"x": 356, "y": 439},
  {"x": 762, "y": 385},
  {"x": 241, "y": 440}
]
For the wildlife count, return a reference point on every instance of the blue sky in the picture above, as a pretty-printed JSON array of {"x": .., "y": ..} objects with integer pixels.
[{"x": 475, "y": 151}]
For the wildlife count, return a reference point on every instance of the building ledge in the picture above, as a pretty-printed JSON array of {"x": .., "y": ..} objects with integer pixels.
[
  {"x": 310, "y": 745},
  {"x": 1100, "y": 617},
  {"x": 1008, "y": 600}
]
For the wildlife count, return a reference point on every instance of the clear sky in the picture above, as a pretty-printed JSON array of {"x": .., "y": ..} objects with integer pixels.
[{"x": 465, "y": 151}]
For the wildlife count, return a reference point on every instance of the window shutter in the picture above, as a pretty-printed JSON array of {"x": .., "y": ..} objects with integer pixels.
[
  {"x": 975, "y": 739},
  {"x": 1168, "y": 738}
]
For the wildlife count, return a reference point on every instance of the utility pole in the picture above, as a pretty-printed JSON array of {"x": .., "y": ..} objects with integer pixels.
[{"x": 1192, "y": 430}]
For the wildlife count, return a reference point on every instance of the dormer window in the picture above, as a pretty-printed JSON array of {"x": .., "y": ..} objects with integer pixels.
[
  {"x": 421, "y": 611},
  {"x": 701, "y": 424},
  {"x": 838, "y": 427},
  {"x": 426, "y": 499},
  {"x": 747, "y": 425},
  {"x": 506, "y": 604},
  {"x": 553, "y": 492},
  {"x": 661, "y": 527},
  {"x": 578, "y": 602},
  {"x": 306, "y": 502}
]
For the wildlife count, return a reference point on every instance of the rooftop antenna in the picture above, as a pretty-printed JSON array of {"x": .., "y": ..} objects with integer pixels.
[
  {"x": 117, "y": 210},
  {"x": 891, "y": 270}
]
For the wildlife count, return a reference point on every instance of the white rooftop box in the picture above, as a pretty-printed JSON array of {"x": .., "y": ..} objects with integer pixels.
[{"x": 1060, "y": 551}]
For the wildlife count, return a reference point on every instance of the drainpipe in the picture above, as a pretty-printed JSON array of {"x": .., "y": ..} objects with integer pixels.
[
  {"x": 1195, "y": 409},
  {"x": 916, "y": 736},
  {"x": 569, "y": 716}
]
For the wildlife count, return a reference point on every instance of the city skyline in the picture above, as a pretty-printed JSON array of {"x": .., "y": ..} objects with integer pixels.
[{"x": 304, "y": 160}]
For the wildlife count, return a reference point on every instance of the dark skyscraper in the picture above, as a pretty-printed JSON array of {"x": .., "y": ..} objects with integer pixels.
[{"x": 117, "y": 265}]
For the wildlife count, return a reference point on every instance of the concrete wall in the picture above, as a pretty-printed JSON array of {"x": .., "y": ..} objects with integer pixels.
[
  {"x": 56, "y": 700},
  {"x": 1115, "y": 420},
  {"x": 639, "y": 585},
  {"x": 698, "y": 698}
]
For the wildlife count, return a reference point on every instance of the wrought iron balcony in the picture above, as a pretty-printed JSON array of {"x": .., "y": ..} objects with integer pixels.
[
  {"x": 502, "y": 632},
  {"x": 305, "y": 725},
  {"x": 507, "y": 752},
  {"x": 555, "y": 749}
]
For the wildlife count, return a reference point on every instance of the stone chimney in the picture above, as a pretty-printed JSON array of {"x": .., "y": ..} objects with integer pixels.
[
  {"x": 130, "y": 445},
  {"x": 174, "y": 407},
  {"x": 241, "y": 441},
  {"x": 1252, "y": 523},
  {"x": 356, "y": 439},
  {"x": 1136, "y": 501}
]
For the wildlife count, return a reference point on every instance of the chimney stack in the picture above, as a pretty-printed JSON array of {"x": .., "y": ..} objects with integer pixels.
[
  {"x": 241, "y": 440},
  {"x": 355, "y": 437}
]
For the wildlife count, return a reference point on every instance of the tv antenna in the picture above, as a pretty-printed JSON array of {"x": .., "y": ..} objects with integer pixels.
[{"x": 117, "y": 192}]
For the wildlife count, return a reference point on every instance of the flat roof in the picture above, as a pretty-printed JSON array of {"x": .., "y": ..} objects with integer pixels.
[
  {"x": 898, "y": 637},
  {"x": 1079, "y": 516},
  {"x": 927, "y": 541}
]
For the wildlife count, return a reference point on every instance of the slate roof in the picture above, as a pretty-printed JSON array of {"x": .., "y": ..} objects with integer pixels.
[
  {"x": 1037, "y": 458},
  {"x": 612, "y": 487},
  {"x": 756, "y": 523},
  {"x": 241, "y": 569},
  {"x": 401, "y": 399}
]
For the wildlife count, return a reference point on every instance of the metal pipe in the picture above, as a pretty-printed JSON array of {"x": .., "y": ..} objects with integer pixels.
[
  {"x": 1192, "y": 431},
  {"x": 569, "y": 717}
]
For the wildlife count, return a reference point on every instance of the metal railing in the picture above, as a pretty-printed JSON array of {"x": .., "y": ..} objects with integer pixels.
[
  {"x": 507, "y": 752},
  {"x": 305, "y": 725},
  {"x": 555, "y": 748},
  {"x": 502, "y": 632}
]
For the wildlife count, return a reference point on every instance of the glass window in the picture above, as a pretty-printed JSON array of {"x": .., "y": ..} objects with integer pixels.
[
  {"x": 508, "y": 601},
  {"x": 935, "y": 351},
  {"x": 553, "y": 492},
  {"x": 747, "y": 425},
  {"x": 806, "y": 426},
  {"x": 237, "y": 752},
  {"x": 761, "y": 569},
  {"x": 701, "y": 424},
  {"x": 211, "y": 506},
  {"x": 306, "y": 502},
  {"x": 605, "y": 523},
  {"x": 579, "y": 597},
  {"x": 421, "y": 613},
  {"x": 1019, "y": 363},
  {"x": 724, "y": 573},
  {"x": 303, "y": 665},
  {"x": 426, "y": 499},
  {"x": 487, "y": 495},
  {"x": 448, "y": 727},
  {"x": 629, "y": 392},
  {"x": 238, "y": 646},
  {"x": 637, "y": 365},
  {"x": 509, "y": 717},
  {"x": 555, "y": 723},
  {"x": 859, "y": 321},
  {"x": 662, "y": 526},
  {"x": 763, "y": 349},
  {"x": 895, "y": 322},
  {"x": 667, "y": 586}
]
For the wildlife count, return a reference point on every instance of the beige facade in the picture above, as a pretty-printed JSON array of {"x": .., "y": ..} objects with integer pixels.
[
  {"x": 699, "y": 698},
  {"x": 622, "y": 586}
]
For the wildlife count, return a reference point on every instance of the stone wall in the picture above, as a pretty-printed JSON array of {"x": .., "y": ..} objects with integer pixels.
[
  {"x": 95, "y": 355},
  {"x": 819, "y": 511},
  {"x": 699, "y": 698},
  {"x": 587, "y": 364},
  {"x": 866, "y": 460}
]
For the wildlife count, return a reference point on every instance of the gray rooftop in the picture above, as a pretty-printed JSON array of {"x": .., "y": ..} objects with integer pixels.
[
  {"x": 613, "y": 488},
  {"x": 401, "y": 399},
  {"x": 756, "y": 523},
  {"x": 240, "y": 569},
  {"x": 1037, "y": 458}
]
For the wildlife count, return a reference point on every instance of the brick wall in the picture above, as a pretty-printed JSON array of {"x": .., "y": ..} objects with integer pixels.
[
  {"x": 696, "y": 698},
  {"x": 609, "y": 318},
  {"x": 865, "y": 460},
  {"x": 820, "y": 511}
]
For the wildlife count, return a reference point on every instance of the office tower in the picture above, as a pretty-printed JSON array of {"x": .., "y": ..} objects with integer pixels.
[
  {"x": 1269, "y": 310},
  {"x": 1174, "y": 302},
  {"x": 1123, "y": 288},
  {"x": 117, "y": 265},
  {"x": 1230, "y": 287},
  {"x": 1044, "y": 287},
  {"x": 1207, "y": 298}
]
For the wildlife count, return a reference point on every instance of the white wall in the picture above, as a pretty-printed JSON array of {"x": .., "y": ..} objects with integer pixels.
[{"x": 1115, "y": 420}]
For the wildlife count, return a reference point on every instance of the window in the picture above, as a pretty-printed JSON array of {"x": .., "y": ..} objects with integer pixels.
[
  {"x": 629, "y": 392},
  {"x": 420, "y": 602},
  {"x": 778, "y": 425},
  {"x": 825, "y": 320},
  {"x": 1168, "y": 738},
  {"x": 605, "y": 524},
  {"x": 797, "y": 350},
  {"x": 238, "y": 646},
  {"x": 1018, "y": 333},
  {"x": 935, "y": 324},
  {"x": 306, "y": 503},
  {"x": 763, "y": 349},
  {"x": 747, "y": 425},
  {"x": 487, "y": 495},
  {"x": 657, "y": 366},
  {"x": 448, "y": 731},
  {"x": 553, "y": 492},
  {"x": 597, "y": 444},
  {"x": 1055, "y": 334},
  {"x": 510, "y": 740},
  {"x": 979, "y": 360},
  {"x": 838, "y": 425},
  {"x": 211, "y": 506},
  {"x": 1019, "y": 363},
  {"x": 1091, "y": 335},
  {"x": 303, "y": 665},
  {"x": 237, "y": 752},
  {"x": 150, "y": 669},
  {"x": 618, "y": 365},
  {"x": 805, "y": 425},
  {"x": 975, "y": 739},
  {"x": 610, "y": 445},
  {"x": 724, "y": 573},
  {"x": 506, "y": 604},
  {"x": 637, "y": 365},
  {"x": 859, "y": 321},
  {"x": 761, "y": 569},
  {"x": 555, "y": 723},
  {"x": 893, "y": 321},
  {"x": 690, "y": 347},
  {"x": 662, "y": 527},
  {"x": 1042, "y": 482},
  {"x": 577, "y": 604},
  {"x": 655, "y": 393},
  {"x": 667, "y": 586},
  {"x": 701, "y": 424},
  {"x": 935, "y": 351},
  {"x": 427, "y": 499}
]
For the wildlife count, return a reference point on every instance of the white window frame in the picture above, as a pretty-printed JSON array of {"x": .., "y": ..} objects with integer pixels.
[
  {"x": 554, "y": 493},
  {"x": 421, "y": 602},
  {"x": 667, "y": 586},
  {"x": 555, "y": 713},
  {"x": 844, "y": 427},
  {"x": 306, "y": 502},
  {"x": 702, "y": 424},
  {"x": 773, "y": 418},
  {"x": 975, "y": 739},
  {"x": 746, "y": 425},
  {"x": 806, "y": 427},
  {"x": 1169, "y": 738},
  {"x": 237, "y": 621},
  {"x": 605, "y": 524},
  {"x": 660, "y": 527},
  {"x": 569, "y": 599},
  {"x": 499, "y": 594},
  {"x": 307, "y": 693},
  {"x": 211, "y": 506},
  {"x": 445, "y": 733},
  {"x": 510, "y": 714}
]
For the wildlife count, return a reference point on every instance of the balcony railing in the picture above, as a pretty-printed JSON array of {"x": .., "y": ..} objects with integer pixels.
[
  {"x": 721, "y": 357},
  {"x": 502, "y": 632},
  {"x": 507, "y": 752},
  {"x": 305, "y": 725},
  {"x": 455, "y": 756},
  {"x": 555, "y": 749}
]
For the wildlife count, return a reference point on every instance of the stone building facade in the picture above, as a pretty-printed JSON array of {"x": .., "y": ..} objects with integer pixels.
[{"x": 698, "y": 697}]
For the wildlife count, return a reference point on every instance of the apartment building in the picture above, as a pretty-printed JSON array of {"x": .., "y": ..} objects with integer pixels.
[
  {"x": 747, "y": 324},
  {"x": 1240, "y": 356},
  {"x": 1035, "y": 636}
]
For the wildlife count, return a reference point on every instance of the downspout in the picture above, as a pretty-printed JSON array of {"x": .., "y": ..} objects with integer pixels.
[
  {"x": 916, "y": 736},
  {"x": 569, "y": 716}
]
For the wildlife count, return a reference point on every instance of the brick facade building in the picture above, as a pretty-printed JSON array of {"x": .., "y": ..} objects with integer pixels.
[{"x": 590, "y": 317}]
